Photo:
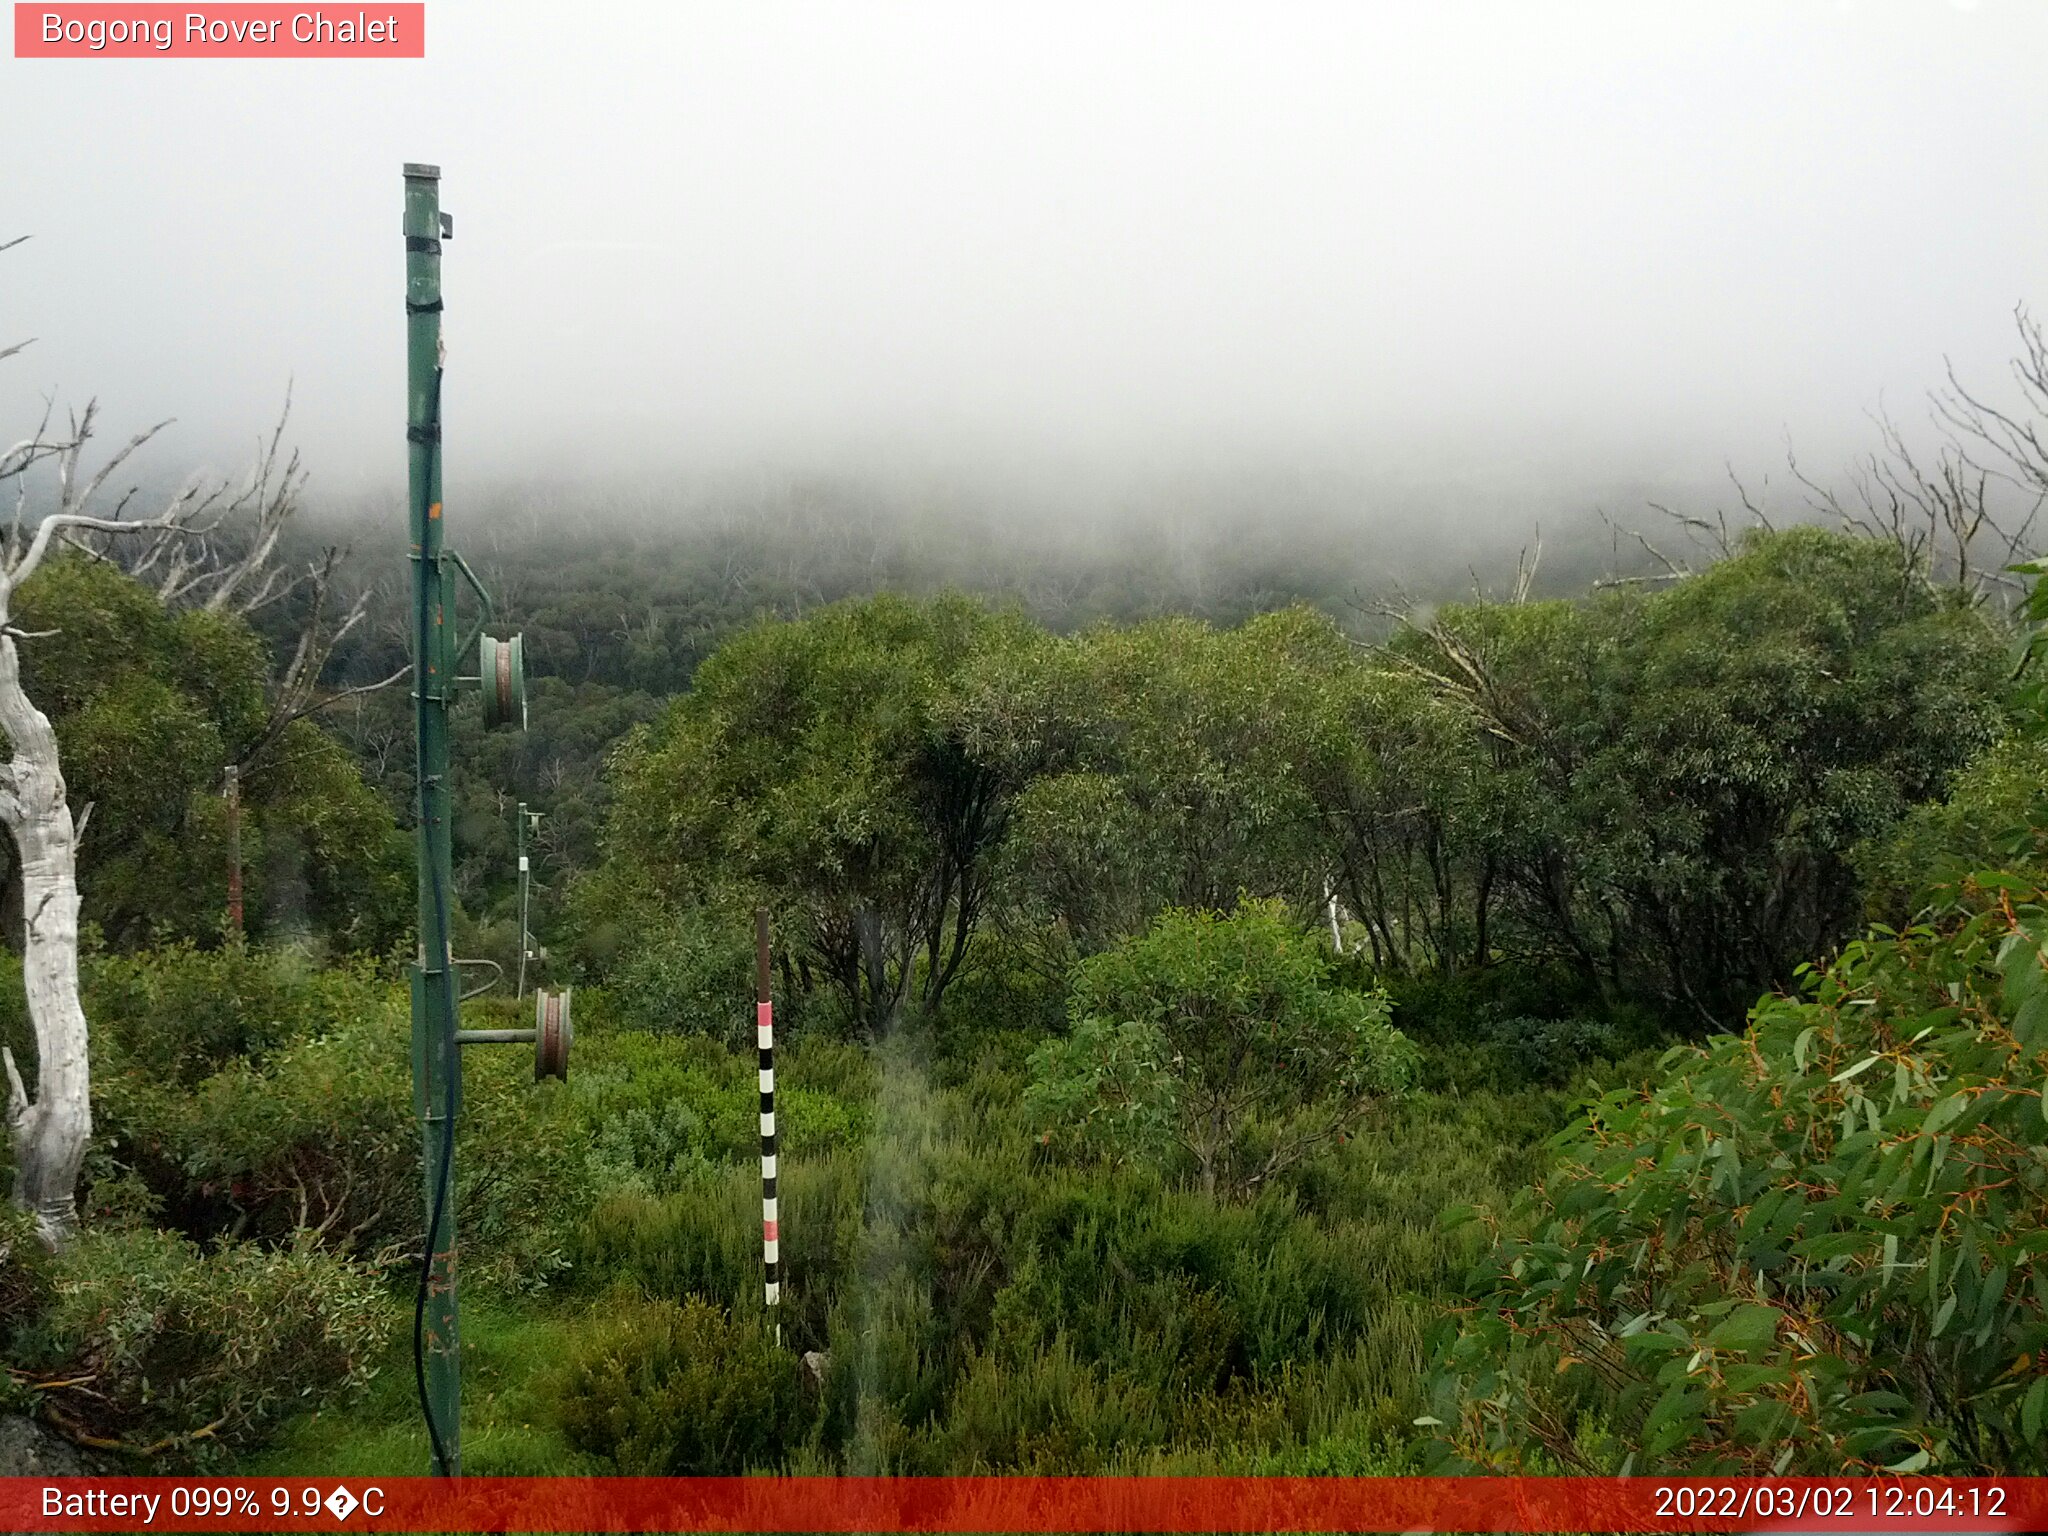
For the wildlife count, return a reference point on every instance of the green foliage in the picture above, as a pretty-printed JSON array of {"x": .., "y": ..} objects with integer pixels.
[
  {"x": 1168, "y": 758},
  {"x": 328, "y": 863},
  {"x": 150, "y": 704},
  {"x": 705, "y": 1241},
  {"x": 1135, "y": 1323},
  {"x": 177, "y": 1015},
  {"x": 665, "y": 1114},
  {"x": 1663, "y": 792},
  {"x": 689, "y": 972},
  {"x": 1940, "y": 844},
  {"x": 996, "y": 1014},
  {"x": 1509, "y": 1027},
  {"x": 1548, "y": 1051},
  {"x": 1686, "y": 775},
  {"x": 1402, "y": 775},
  {"x": 816, "y": 765},
  {"x": 1545, "y": 822},
  {"x": 556, "y": 765},
  {"x": 253, "y": 1096},
  {"x": 1813, "y": 1246},
  {"x": 679, "y": 1391},
  {"x": 289, "y": 1119},
  {"x": 1186, "y": 1035},
  {"x": 984, "y": 1308},
  {"x": 27, "y": 1284},
  {"x": 188, "y": 1354}
]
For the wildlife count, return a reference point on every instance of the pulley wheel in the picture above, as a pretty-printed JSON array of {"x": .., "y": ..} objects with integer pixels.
[
  {"x": 551, "y": 1035},
  {"x": 503, "y": 675}
]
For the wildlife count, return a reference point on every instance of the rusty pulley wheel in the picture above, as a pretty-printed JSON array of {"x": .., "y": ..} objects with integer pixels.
[
  {"x": 501, "y": 664},
  {"x": 551, "y": 1035}
]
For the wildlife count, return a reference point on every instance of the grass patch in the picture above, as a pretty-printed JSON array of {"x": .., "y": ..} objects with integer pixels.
[{"x": 510, "y": 1355}]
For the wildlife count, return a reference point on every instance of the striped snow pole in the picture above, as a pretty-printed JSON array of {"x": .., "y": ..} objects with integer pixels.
[{"x": 764, "y": 1033}]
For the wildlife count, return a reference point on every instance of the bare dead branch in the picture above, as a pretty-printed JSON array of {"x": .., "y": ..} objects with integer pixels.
[{"x": 1674, "y": 571}]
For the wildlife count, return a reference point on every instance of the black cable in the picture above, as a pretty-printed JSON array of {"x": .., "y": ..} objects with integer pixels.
[{"x": 423, "y": 639}]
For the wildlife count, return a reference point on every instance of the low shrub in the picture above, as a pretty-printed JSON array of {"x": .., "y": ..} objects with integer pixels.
[
  {"x": 1190, "y": 1294},
  {"x": 1052, "y": 1411},
  {"x": 664, "y": 1113},
  {"x": 319, "y": 1136},
  {"x": 181, "y": 1014},
  {"x": 316, "y": 1140},
  {"x": 183, "y": 1355},
  {"x": 707, "y": 1242},
  {"x": 27, "y": 1279},
  {"x": 1206, "y": 1026},
  {"x": 669, "y": 1390}
]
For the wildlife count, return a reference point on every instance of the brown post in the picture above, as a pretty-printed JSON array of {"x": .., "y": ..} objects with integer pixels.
[{"x": 233, "y": 794}]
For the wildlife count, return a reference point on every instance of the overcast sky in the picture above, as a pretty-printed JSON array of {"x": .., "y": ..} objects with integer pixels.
[{"x": 1561, "y": 248}]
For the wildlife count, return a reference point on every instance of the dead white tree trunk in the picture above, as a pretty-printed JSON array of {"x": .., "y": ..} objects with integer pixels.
[{"x": 49, "y": 1132}]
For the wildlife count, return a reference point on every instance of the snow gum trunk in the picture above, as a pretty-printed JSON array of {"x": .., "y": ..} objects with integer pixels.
[{"x": 49, "y": 1134}]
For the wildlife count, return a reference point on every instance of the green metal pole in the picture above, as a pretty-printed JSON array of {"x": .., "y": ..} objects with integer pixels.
[{"x": 437, "y": 1062}]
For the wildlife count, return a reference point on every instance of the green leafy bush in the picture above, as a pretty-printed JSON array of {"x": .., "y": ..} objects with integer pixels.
[
  {"x": 1815, "y": 1246},
  {"x": 179, "y": 1014},
  {"x": 665, "y": 1112},
  {"x": 314, "y": 1138},
  {"x": 690, "y": 972},
  {"x": 677, "y": 1391},
  {"x": 1052, "y": 1411},
  {"x": 706, "y": 1242},
  {"x": 1189, "y": 1035},
  {"x": 183, "y": 1352},
  {"x": 1938, "y": 845},
  {"x": 296, "y": 1115},
  {"x": 1506, "y": 1052}
]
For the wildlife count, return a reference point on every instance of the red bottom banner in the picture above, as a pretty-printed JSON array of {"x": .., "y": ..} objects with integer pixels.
[{"x": 998, "y": 1504}]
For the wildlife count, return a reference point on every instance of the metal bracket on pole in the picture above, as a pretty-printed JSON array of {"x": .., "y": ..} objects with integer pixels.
[{"x": 550, "y": 1036}]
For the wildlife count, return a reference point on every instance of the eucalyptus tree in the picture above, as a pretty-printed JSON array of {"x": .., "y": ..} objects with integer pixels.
[
  {"x": 833, "y": 767},
  {"x": 1179, "y": 782},
  {"x": 1688, "y": 774}
]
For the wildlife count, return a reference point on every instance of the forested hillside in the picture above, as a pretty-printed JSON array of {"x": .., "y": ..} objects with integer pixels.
[{"x": 1591, "y": 1031}]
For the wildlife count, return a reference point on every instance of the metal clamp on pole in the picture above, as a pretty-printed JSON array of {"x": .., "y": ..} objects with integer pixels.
[{"x": 550, "y": 1036}]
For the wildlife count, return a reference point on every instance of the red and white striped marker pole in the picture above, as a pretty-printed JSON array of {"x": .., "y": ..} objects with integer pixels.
[{"x": 764, "y": 1034}]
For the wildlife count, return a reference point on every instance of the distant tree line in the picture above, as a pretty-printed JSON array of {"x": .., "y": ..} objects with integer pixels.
[{"x": 1660, "y": 790}]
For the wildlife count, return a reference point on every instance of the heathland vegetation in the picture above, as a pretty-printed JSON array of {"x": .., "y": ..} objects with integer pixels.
[{"x": 1594, "y": 1032}]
